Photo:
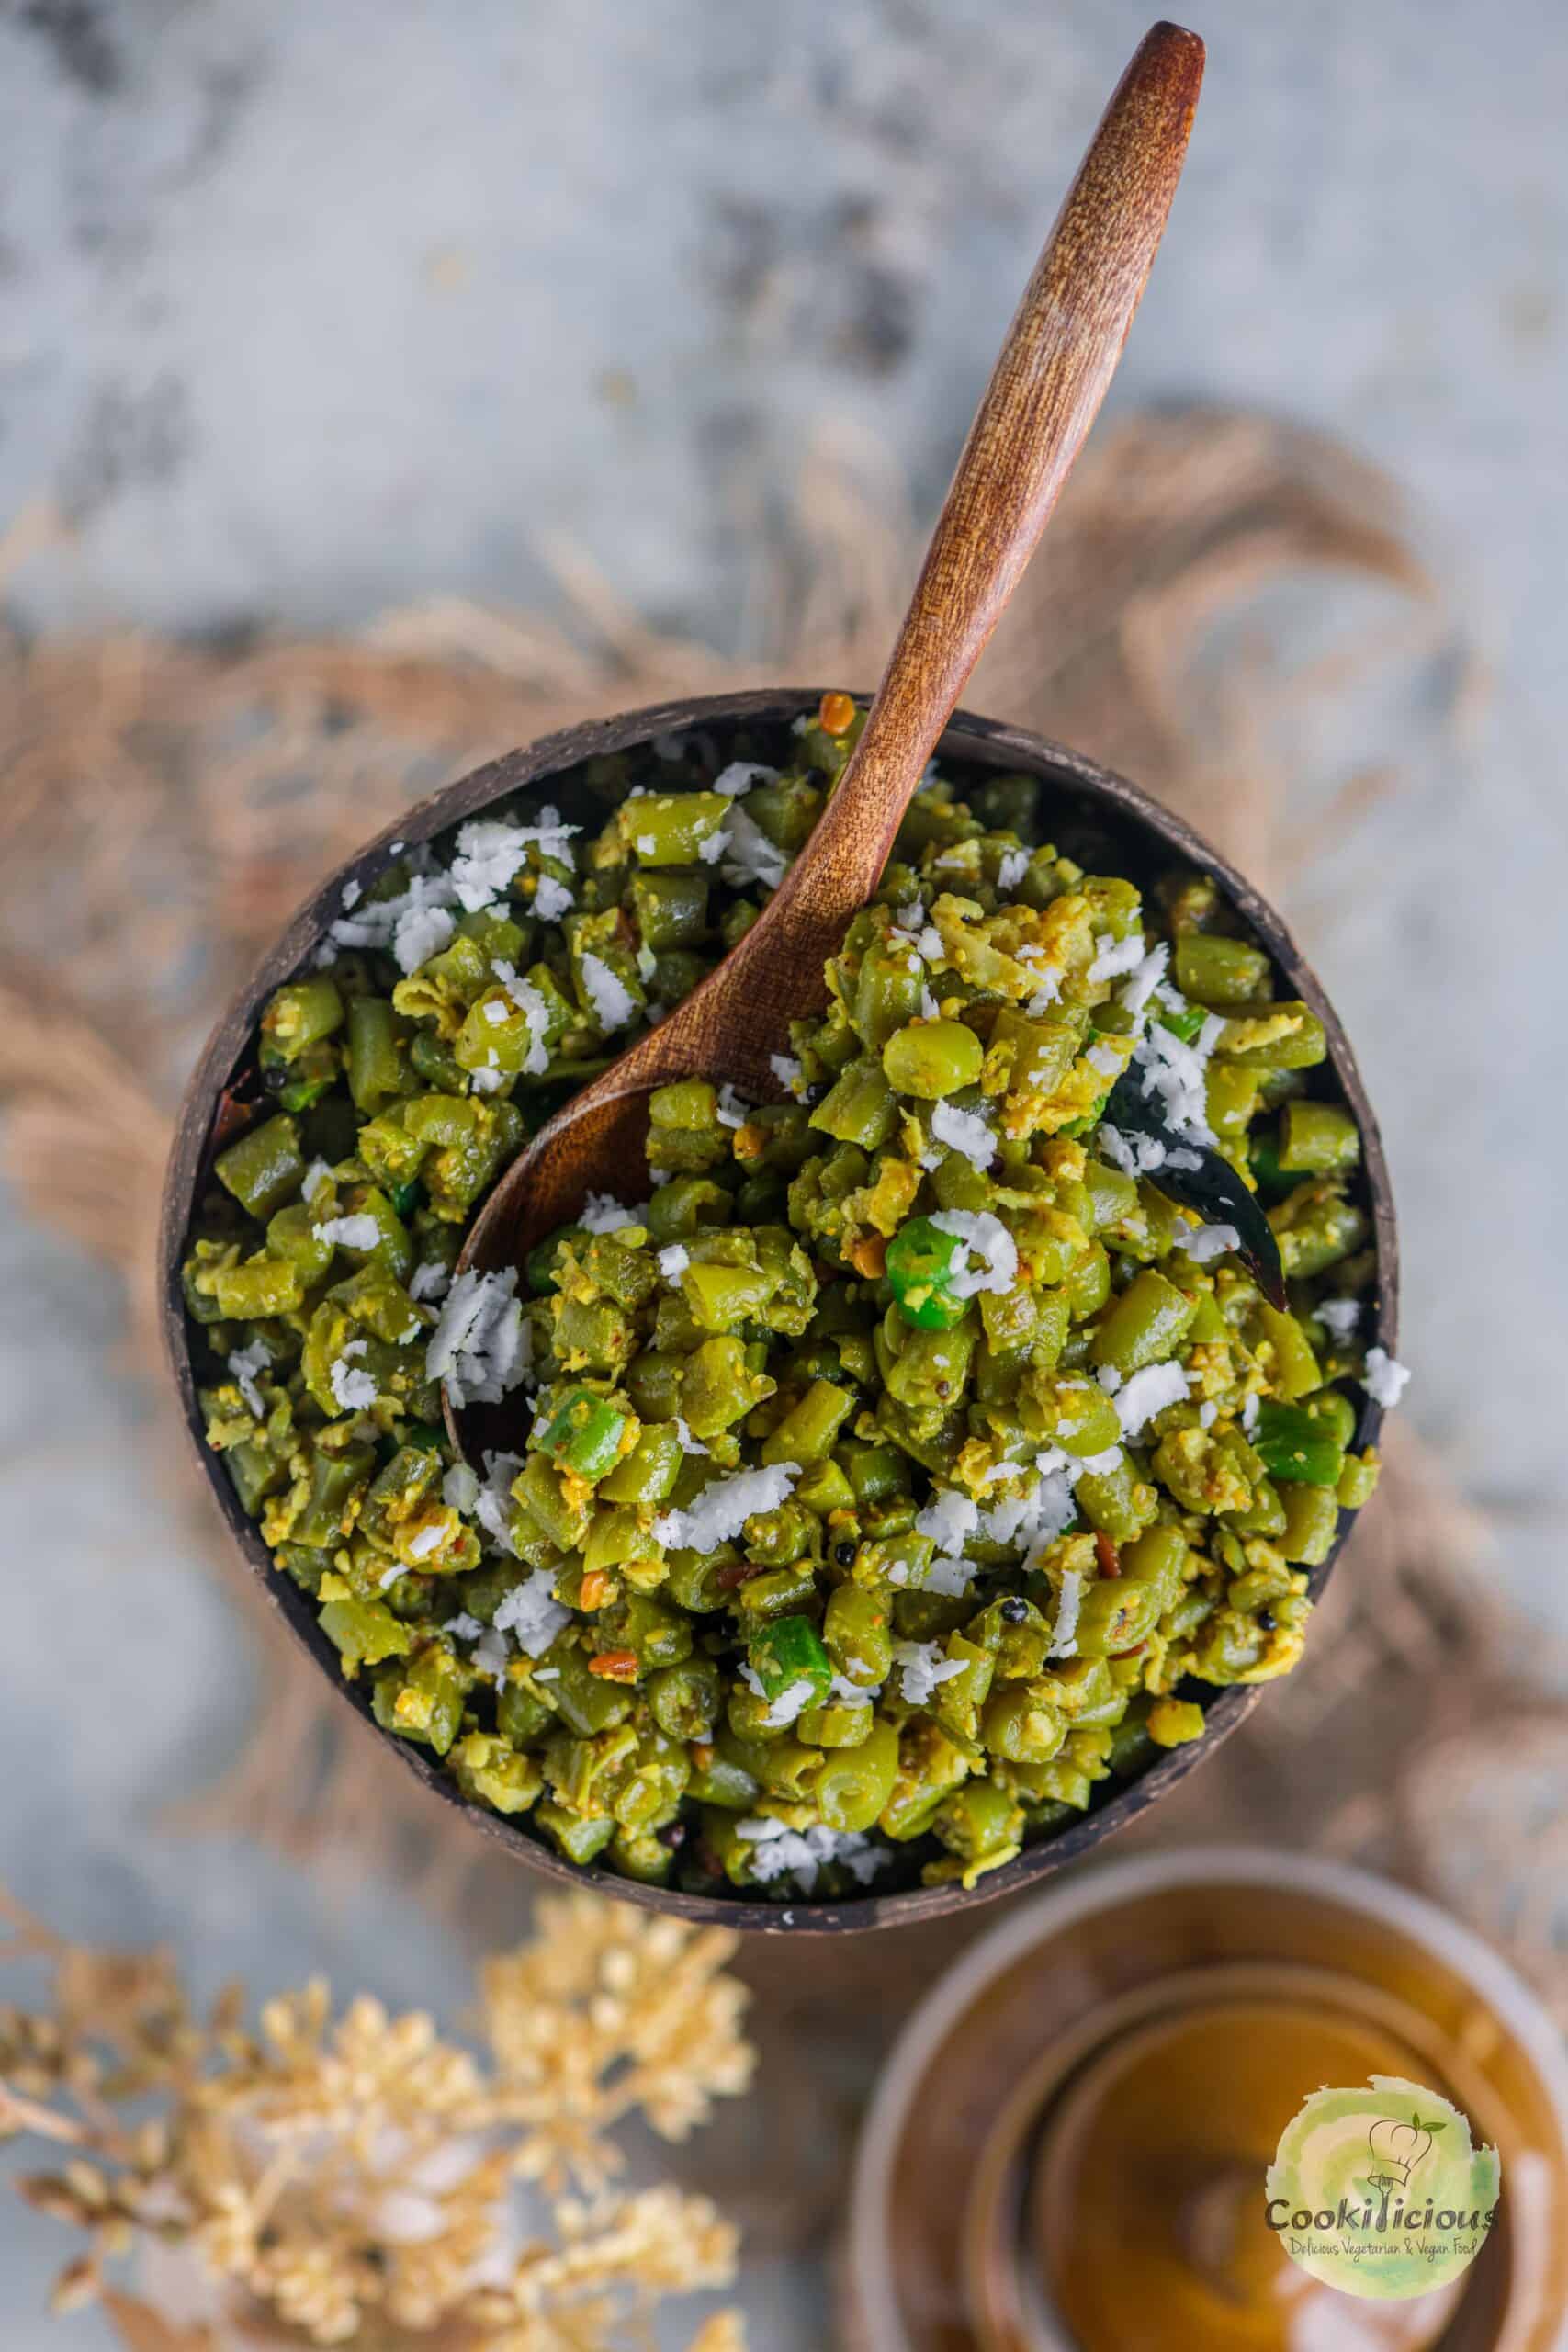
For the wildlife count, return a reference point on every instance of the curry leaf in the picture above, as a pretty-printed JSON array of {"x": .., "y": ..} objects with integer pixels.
[{"x": 1214, "y": 1188}]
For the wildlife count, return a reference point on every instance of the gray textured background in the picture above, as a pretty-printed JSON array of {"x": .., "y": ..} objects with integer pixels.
[{"x": 311, "y": 307}]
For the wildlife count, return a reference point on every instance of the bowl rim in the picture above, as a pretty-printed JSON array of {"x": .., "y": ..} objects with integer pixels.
[
  {"x": 967, "y": 737},
  {"x": 1130, "y": 1878}
]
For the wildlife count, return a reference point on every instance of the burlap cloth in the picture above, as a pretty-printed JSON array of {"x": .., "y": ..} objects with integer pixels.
[{"x": 192, "y": 794}]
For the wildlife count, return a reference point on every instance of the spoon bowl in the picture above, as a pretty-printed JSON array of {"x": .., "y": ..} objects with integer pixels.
[{"x": 1083, "y": 805}]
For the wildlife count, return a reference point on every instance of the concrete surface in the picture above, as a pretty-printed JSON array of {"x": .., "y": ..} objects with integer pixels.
[{"x": 310, "y": 307}]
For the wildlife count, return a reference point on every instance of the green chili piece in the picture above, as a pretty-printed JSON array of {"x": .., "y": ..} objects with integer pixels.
[
  {"x": 1293, "y": 1445},
  {"x": 787, "y": 1652},
  {"x": 921, "y": 1263},
  {"x": 585, "y": 1433},
  {"x": 1184, "y": 1023}
]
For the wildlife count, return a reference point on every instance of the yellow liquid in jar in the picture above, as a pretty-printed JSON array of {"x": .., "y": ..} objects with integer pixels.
[{"x": 1147, "y": 2202}]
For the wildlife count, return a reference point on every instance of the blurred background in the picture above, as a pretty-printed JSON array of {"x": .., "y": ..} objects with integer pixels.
[{"x": 313, "y": 313}]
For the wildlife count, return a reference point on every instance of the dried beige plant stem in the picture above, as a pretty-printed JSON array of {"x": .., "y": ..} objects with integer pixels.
[{"x": 344, "y": 2177}]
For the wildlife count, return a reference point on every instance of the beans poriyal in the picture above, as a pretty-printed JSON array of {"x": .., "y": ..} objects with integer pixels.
[{"x": 894, "y": 1465}]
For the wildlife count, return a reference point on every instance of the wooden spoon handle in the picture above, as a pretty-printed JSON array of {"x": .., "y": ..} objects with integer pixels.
[{"x": 1059, "y": 359}]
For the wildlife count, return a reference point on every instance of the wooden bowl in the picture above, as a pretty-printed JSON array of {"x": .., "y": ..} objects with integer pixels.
[{"x": 1087, "y": 798}]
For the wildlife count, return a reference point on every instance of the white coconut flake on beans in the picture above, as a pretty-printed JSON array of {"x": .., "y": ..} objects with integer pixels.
[
  {"x": 1148, "y": 1392},
  {"x": 984, "y": 1237},
  {"x": 965, "y": 1132},
  {"x": 602, "y": 1213},
  {"x": 612, "y": 1002},
  {"x": 360, "y": 1232},
  {"x": 1115, "y": 957},
  {"x": 922, "y": 1669},
  {"x": 478, "y": 1347},
  {"x": 1063, "y": 1633},
  {"x": 724, "y": 1506},
  {"x": 1204, "y": 1243}
]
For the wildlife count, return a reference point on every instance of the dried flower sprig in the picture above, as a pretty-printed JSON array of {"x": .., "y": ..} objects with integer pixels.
[{"x": 346, "y": 2177}]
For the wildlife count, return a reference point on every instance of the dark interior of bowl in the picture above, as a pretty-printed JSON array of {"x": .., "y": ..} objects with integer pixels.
[{"x": 1098, "y": 818}]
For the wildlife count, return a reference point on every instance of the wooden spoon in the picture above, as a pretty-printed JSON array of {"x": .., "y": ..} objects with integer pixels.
[{"x": 1055, "y": 365}]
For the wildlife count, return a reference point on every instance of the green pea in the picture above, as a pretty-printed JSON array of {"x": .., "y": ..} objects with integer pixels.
[
  {"x": 931, "y": 1060},
  {"x": 585, "y": 1433}
]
